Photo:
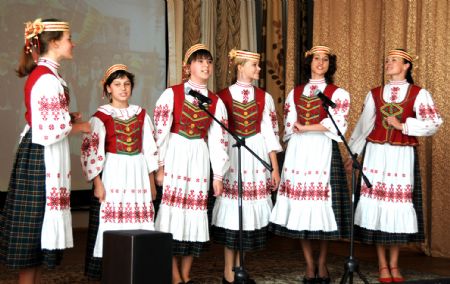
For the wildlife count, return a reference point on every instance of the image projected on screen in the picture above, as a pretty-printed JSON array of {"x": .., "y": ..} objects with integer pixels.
[{"x": 104, "y": 32}]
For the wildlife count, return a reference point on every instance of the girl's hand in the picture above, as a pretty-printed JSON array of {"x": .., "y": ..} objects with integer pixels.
[
  {"x": 394, "y": 122},
  {"x": 152, "y": 185},
  {"x": 81, "y": 126},
  {"x": 275, "y": 179},
  {"x": 99, "y": 189},
  {"x": 218, "y": 187},
  {"x": 348, "y": 165},
  {"x": 85, "y": 127},
  {"x": 298, "y": 128},
  {"x": 74, "y": 116},
  {"x": 160, "y": 176}
]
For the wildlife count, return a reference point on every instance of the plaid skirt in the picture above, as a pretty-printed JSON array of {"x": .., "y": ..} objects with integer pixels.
[
  {"x": 23, "y": 214},
  {"x": 184, "y": 248},
  {"x": 340, "y": 203},
  {"x": 251, "y": 240},
  {"x": 384, "y": 238},
  {"x": 93, "y": 265}
]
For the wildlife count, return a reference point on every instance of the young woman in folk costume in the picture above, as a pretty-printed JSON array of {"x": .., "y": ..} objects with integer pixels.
[
  {"x": 251, "y": 115},
  {"x": 188, "y": 140},
  {"x": 313, "y": 201},
  {"x": 35, "y": 224},
  {"x": 119, "y": 156},
  {"x": 390, "y": 213}
]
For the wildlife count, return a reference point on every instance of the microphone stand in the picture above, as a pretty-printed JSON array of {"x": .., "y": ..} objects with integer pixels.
[
  {"x": 351, "y": 265},
  {"x": 240, "y": 275}
]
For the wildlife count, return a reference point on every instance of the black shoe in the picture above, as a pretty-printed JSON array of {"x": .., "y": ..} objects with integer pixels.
[
  {"x": 310, "y": 280},
  {"x": 249, "y": 281},
  {"x": 224, "y": 281},
  {"x": 323, "y": 280},
  {"x": 189, "y": 282}
]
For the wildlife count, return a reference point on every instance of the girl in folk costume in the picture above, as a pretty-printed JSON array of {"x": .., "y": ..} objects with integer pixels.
[
  {"x": 187, "y": 138},
  {"x": 313, "y": 201},
  {"x": 390, "y": 213},
  {"x": 35, "y": 224},
  {"x": 119, "y": 156},
  {"x": 252, "y": 116}
]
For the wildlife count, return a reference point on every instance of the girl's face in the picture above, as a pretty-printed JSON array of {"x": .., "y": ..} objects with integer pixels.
[
  {"x": 120, "y": 90},
  {"x": 200, "y": 70},
  {"x": 64, "y": 46},
  {"x": 396, "y": 67},
  {"x": 249, "y": 71},
  {"x": 319, "y": 65}
]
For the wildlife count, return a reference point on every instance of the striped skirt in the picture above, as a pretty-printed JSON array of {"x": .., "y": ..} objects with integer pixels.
[
  {"x": 340, "y": 204},
  {"x": 93, "y": 265},
  {"x": 23, "y": 214},
  {"x": 384, "y": 238},
  {"x": 184, "y": 248},
  {"x": 251, "y": 240}
]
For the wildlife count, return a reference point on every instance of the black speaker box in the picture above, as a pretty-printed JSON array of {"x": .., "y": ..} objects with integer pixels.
[{"x": 137, "y": 257}]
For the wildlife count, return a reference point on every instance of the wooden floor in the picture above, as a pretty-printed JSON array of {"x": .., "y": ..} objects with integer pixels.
[{"x": 410, "y": 258}]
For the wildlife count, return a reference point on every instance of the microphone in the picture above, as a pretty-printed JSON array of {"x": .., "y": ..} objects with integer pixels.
[
  {"x": 201, "y": 98},
  {"x": 326, "y": 101}
]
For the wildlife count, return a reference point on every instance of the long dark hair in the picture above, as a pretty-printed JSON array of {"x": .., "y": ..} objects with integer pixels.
[
  {"x": 331, "y": 68},
  {"x": 408, "y": 75},
  {"x": 26, "y": 62}
]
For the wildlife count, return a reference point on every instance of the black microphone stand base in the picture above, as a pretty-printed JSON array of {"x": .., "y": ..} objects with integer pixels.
[
  {"x": 352, "y": 266},
  {"x": 241, "y": 276}
]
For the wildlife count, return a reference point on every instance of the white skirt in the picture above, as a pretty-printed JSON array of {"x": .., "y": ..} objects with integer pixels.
[
  {"x": 183, "y": 209},
  {"x": 256, "y": 180},
  {"x": 390, "y": 169},
  {"x": 128, "y": 201},
  {"x": 307, "y": 203}
]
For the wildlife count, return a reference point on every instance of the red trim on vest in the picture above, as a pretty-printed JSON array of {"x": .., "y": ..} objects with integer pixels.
[
  {"x": 178, "y": 104},
  {"x": 381, "y": 132},
  {"x": 112, "y": 136},
  {"x": 309, "y": 109},
  {"x": 227, "y": 98},
  {"x": 31, "y": 80}
]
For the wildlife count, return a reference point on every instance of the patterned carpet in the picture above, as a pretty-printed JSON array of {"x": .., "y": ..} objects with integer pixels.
[{"x": 265, "y": 267}]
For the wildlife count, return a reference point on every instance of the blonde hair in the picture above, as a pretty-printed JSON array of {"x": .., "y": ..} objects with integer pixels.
[{"x": 238, "y": 57}]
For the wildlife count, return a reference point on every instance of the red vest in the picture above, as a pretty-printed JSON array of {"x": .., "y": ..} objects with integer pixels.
[
  {"x": 382, "y": 133},
  {"x": 244, "y": 119},
  {"x": 123, "y": 136},
  {"x": 189, "y": 120},
  {"x": 31, "y": 80},
  {"x": 309, "y": 109}
]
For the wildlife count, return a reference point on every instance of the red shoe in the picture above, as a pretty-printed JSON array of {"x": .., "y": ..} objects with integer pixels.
[
  {"x": 384, "y": 279},
  {"x": 397, "y": 279}
]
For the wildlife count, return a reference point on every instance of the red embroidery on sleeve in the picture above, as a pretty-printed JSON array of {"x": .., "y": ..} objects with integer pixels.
[
  {"x": 287, "y": 107},
  {"x": 273, "y": 118},
  {"x": 161, "y": 114},
  {"x": 341, "y": 106},
  {"x": 427, "y": 111}
]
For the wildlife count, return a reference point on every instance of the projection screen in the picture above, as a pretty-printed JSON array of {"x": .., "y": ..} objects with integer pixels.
[{"x": 105, "y": 32}]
